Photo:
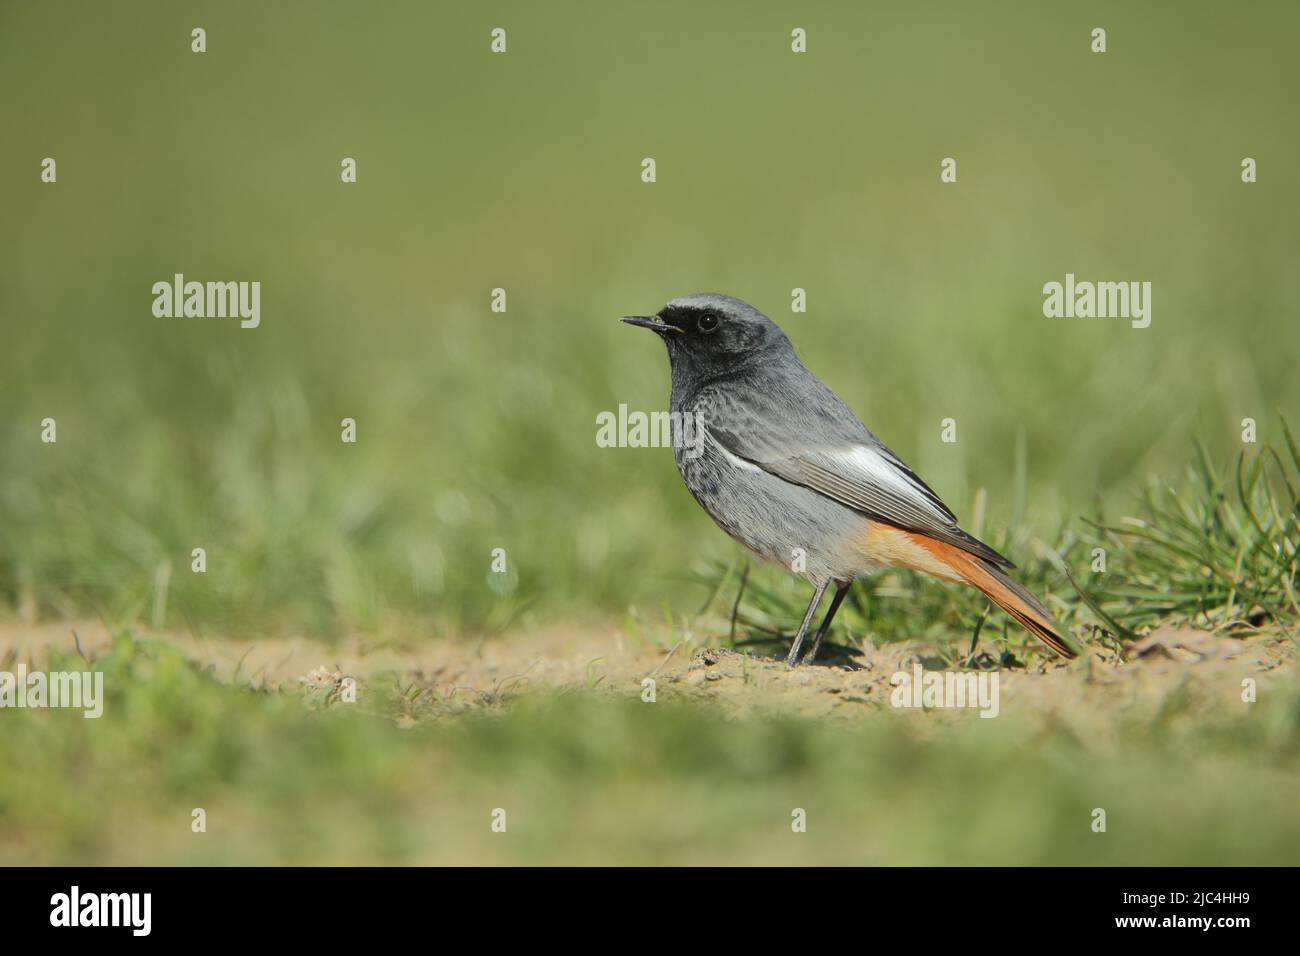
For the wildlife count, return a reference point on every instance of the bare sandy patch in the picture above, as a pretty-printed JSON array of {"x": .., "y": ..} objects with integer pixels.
[{"x": 1093, "y": 695}]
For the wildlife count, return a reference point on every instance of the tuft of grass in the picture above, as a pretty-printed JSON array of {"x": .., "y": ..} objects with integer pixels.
[{"x": 1218, "y": 550}]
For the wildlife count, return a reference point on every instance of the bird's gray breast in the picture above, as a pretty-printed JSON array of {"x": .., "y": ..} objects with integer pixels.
[{"x": 785, "y": 523}]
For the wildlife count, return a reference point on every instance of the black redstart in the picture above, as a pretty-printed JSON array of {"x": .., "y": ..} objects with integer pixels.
[{"x": 785, "y": 468}]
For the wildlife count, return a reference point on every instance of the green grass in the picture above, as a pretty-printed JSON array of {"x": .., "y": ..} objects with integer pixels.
[
  {"x": 286, "y": 777},
  {"x": 1221, "y": 551}
]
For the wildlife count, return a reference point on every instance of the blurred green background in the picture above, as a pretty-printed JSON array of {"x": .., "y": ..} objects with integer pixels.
[{"x": 522, "y": 171}]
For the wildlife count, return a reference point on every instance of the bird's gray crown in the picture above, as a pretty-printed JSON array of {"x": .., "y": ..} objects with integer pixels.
[{"x": 704, "y": 301}]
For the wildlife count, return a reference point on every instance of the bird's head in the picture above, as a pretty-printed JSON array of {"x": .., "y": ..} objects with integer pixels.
[{"x": 707, "y": 333}]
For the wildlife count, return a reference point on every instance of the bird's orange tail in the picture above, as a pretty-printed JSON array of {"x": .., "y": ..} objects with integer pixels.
[{"x": 1001, "y": 590}]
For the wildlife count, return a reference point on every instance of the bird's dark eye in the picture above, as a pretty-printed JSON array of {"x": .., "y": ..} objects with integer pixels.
[{"x": 707, "y": 322}]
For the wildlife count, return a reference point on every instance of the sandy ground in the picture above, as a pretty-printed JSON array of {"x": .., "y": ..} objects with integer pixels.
[{"x": 1202, "y": 668}]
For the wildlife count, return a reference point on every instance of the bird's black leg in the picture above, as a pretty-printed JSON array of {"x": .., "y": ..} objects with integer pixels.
[
  {"x": 841, "y": 592},
  {"x": 793, "y": 659}
]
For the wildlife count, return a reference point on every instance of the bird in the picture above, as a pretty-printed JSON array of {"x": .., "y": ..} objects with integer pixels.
[{"x": 785, "y": 468}]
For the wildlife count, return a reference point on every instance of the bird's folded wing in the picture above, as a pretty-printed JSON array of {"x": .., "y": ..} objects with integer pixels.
[{"x": 868, "y": 478}]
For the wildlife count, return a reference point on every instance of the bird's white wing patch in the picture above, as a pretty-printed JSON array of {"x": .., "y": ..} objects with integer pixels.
[
  {"x": 870, "y": 467},
  {"x": 734, "y": 460}
]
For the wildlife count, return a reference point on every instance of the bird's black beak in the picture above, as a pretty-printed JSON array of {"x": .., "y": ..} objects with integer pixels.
[{"x": 651, "y": 322}]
